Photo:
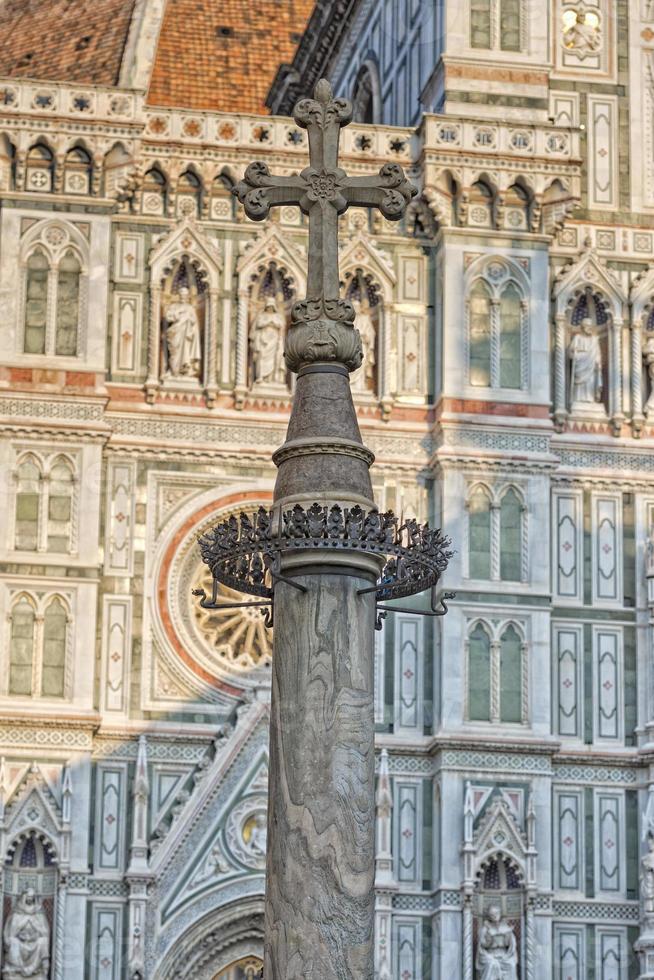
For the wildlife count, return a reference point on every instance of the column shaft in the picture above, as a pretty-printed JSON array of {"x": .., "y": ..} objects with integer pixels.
[{"x": 320, "y": 897}]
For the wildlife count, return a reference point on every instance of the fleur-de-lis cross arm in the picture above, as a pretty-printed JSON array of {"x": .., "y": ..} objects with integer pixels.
[{"x": 323, "y": 190}]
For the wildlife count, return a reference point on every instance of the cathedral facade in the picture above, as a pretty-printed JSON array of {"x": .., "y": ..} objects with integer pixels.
[{"x": 507, "y": 393}]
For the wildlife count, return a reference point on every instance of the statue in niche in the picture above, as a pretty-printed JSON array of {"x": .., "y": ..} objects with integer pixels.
[
  {"x": 586, "y": 366},
  {"x": 363, "y": 379},
  {"x": 583, "y": 35},
  {"x": 267, "y": 344},
  {"x": 27, "y": 940},
  {"x": 647, "y": 880},
  {"x": 497, "y": 957},
  {"x": 648, "y": 353},
  {"x": 258, "y": 829},
  {"x": 183, "y": 337}
]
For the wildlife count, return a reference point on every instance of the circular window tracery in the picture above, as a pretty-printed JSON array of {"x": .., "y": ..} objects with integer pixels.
[{"x": 229, "y": 649}]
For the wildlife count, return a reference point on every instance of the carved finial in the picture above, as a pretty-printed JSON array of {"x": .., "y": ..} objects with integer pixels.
[
  {"x": 141, "y": 783},
  {"x": 384, "y": 795},
  {"x": 323, "y": 91}
]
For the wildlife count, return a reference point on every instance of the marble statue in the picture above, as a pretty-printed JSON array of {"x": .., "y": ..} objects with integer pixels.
[
  {"x": 258, "y": 834},
  {"x": 583, "y": 36},
  {"x": 266, "y": 345},
  {"x": 586, "y": 366},
  {"x": 648, "y": 353},
  {"x": 649, "y": 553},
  {"x": 26, "y": 940},
  {"x": 364, "y": 378},
  {"x": 183, "y": 337},
  {"x": 497, "y": 957},
  {"x": 647, "y": 880}
]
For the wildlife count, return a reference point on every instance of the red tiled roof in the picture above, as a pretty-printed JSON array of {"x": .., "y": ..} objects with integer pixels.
[
  {"x": 223, "y": 54},
  {"x": 64, "y": 40}
]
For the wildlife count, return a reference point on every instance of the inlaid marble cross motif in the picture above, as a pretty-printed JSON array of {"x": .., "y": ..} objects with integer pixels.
[{"x": 323, "y": 191}]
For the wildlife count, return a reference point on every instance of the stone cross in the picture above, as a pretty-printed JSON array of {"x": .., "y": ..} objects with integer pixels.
[
  {"x": 323, "y": 191},
  {"x": 321, "y": 813}
]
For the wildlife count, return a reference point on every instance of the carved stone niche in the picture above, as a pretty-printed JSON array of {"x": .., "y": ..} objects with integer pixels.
[
  {"x": 270, "y": 299},
  {"x": 588, "y": 355},
  {"x": 364, "y": 293},
  {"x": 183, "y": 323},
  {"x": 182, "y": 334}
]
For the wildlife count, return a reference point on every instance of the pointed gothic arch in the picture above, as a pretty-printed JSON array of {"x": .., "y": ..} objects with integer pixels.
[
  {"x": 184, "y": 259},
  {"x": 269, "y": 248},
  {"x": 589, "y": 281}
]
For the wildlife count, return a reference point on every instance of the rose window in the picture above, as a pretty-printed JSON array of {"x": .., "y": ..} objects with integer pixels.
[{"x": 238, "y": 637}]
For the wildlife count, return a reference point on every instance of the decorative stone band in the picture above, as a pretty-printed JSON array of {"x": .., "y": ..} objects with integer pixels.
[
  {"x": 317, "y": 447},
  {"x": 245, "y": 553}
]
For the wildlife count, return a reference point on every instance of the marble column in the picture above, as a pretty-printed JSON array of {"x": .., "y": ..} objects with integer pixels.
[
  {"x": 321, "y": 819},
  {"x": 320, "y": 896}
]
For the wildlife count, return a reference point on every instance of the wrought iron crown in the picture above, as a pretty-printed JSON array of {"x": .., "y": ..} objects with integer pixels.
[{"x": 244, "y": 553}]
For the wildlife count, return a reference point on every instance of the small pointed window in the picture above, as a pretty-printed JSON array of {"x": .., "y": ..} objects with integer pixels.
[
  {"x": 28, "y": 496},
  {"x": 480, "y": 335},
  {"x": 479, "y": 673},
  {"x": 479, "y": 517},
  {"x": 510, "y": 25},
  {"x": 36, "y": 302},
  {"x": 510, "y": 537},
  {"x": 510, "y": 337},
  {"x": 510, "y": 676},
  {"x": 21, "y": 647},
  {"x": 60, "y": 505},
  {"x": 68, "y": 290},
  {"x": 480, "y": 24},
  {"x": 55, "y": 626}
]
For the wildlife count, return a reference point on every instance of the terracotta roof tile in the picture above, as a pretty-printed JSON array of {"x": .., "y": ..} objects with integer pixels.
[
  {"x": 224, "y": 54},
  {"x": 64, "y": 40}
]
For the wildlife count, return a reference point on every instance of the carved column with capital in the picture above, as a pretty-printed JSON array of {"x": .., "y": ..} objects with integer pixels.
[{"x": 320, "y": 899}]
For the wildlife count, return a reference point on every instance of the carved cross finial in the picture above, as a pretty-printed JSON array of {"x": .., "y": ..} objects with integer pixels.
[{"x": 321, "y": 326}]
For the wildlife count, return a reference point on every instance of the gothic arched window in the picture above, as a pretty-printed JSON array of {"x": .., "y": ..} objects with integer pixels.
[
  {"x": 510, "y": 28},
  {"x": 479, "y": 301},
  {"x": 510, "y": 337},
  {"x": 36, "y": 302},
  {"x": 479, "y": 674},
  {"x": 28, "y": 500},
  {"x": 38, "y": 644},
  {"x": 479, "y": 534},
  {"x": 510, "y": 676},
  {"x": 511, "y": 510},
  {"x": 77, "y": 171},
  {"x": 480, "y": 24},
  {"x": 53, "y": 665},
  {"x": 496, "y": 25},
  {"x": 69, "y": 275},
  {"x": 60, "y": 505},
  {"x": 39, "y": 169},
  {"x": 21, "y": 646}
]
